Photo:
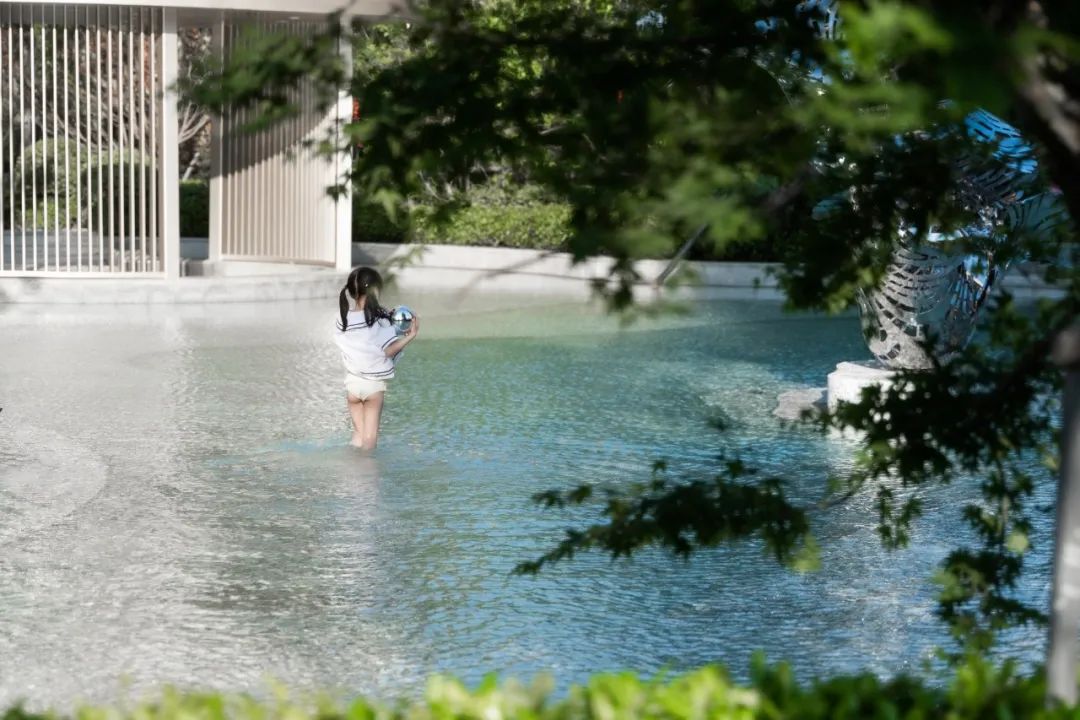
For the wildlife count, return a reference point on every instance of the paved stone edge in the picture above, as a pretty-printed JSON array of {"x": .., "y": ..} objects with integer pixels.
[{"x": 437, "y": 267}]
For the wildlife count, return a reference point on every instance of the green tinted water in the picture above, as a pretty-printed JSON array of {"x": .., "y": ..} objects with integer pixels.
[{"x": 177, "y": 504}]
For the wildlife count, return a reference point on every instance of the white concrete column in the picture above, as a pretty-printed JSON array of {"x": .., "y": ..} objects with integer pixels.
[
  {"x": 170, "y": 157},
  {"x": 849, "y": 379},
  {"x": 342, "y": 162},
  {"x": 217, "y": 182}
]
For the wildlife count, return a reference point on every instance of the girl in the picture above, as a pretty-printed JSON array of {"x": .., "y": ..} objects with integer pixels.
[{"x": 369, "y": 346}]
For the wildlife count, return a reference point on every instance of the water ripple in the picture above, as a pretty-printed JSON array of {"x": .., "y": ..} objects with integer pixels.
[{"x": 188, "y": 512}]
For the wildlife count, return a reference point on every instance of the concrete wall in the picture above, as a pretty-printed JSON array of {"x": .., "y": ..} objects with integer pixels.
[
  {"x": 435, "y": 267},
  {"x": 537, "y": 271},
  {"x": 446, "y": 267}
]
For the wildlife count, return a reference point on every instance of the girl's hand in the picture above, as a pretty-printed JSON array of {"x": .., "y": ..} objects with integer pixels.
[{"x": 414, "y": 328}]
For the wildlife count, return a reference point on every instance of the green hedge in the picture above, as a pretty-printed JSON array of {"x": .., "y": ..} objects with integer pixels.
[
  {"x": 976, "y": 690},
  {"x": 499, "y": 215},
  {"x": 194, "y": 209},
  {"x": 519, "y": 218},
  {"x": 55, "y": 171},
  {"x": 543, "y": 227},
  {"x": 539, "y": 225},
  {"x": 370, "y": 223}
]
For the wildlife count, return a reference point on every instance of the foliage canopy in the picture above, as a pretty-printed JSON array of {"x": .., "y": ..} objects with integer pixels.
[
  {"x": 976, "y": 690},
  {"x": 651, "y": 119}
]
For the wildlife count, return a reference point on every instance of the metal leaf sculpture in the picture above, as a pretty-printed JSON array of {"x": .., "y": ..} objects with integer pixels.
[{"x": 928, "y": 304}]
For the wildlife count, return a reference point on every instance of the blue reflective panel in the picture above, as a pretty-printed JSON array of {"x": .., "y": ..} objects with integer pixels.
[{"x": 1011, "y": 147}]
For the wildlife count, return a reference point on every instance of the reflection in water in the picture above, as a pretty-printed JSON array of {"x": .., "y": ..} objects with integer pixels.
[{"x": 184, "y": 508}]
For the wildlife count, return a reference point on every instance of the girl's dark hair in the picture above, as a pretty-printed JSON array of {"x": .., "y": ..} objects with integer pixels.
[{"x": 362, "y": 281}]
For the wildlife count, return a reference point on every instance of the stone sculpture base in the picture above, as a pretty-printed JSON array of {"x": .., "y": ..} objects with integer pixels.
[
  {"x": 791, "y": 404},
  {"x": 847, "y": 381}
]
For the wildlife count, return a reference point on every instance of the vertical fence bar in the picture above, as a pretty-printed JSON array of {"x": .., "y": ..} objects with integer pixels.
[
  {"x": 127, "y": 187},
  {"x": 111, "y": 125},
  {"x": 309, "y": 244},
  {"x": 44, "y": 201},
  {"x": 100, "y": 147},
  {"x": 251, "y": 166},
  {"x": 234, "y": 164},
  {"x": 53, "y": 143},
  {"x": 130, "y": 135},
  {"x": 45, "y": 138},
  {"x": 295, "y": 189},
  {"x": 243, "y": 236},
  {"x": 11, "y": 129},
  {"x": 79, "y": 139},
  {"x": 33, "y": 142},
  {"x": 155, "y": 143},
  {"x": 301, "y": 166},
  {"x": 242, "y": 205},
  {"x": 244, "y": 172},
  {"x": 302, "y": 243},
  {"x": 226, "y": 154},
  {"x": 217, "y": 179},
  {"x": 22, "y": 136},
  {"x": 134, "y": 104},
  {"x": 257, "y": 230},
  {"x": 142, "y": 140},
  {"x": 278, "y": 170},
  {"x": 299, "y": 122},
  {"x": 237, "y": 167},
  {"x": 342, "y": 256},
  {"x": 5, "y": 50},
  {"x": 296, "y": 175},
  {"x": 67, "y": 155},
  {"x": 121, "y": 139},
  {"x": 229, "y": 132},
  {"x": 170, "y": 161},
  {"x": 258, "y": 164}
]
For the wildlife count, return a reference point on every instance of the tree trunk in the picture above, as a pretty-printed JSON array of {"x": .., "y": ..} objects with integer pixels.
[
  {"x": 1061, "y": 659},
  {"x": 191, "y": 165}
]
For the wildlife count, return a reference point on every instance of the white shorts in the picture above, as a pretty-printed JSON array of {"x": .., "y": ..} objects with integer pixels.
[{"x": 363, "y": 388}]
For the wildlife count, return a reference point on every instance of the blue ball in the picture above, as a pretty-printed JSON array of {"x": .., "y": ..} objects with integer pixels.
[{"x": 402, "y": 319}]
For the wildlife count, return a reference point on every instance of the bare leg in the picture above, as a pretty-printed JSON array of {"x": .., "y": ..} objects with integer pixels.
[
  {"x": 372, "y": 412},
  {"x": 356, "y": 410}
]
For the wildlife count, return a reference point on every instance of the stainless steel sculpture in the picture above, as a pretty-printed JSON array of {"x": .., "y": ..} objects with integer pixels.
[
  {"x": 927, "y": 306},
  {"x": 926, "y": 294}
]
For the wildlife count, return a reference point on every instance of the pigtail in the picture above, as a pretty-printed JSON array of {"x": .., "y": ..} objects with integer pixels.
[
  {"x": 362, "y": 282},
  {"x": 373, "y": 311},
  {"x": 343, "y": 304}
]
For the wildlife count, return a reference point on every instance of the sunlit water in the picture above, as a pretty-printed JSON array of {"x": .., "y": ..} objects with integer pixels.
[{"x": 178, "y": 506}]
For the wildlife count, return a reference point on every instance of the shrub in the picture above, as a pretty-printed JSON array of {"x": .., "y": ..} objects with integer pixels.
[
  {"x": 194, "y": 208},
  {"x": 497, "y": 214},
  {"x": 976, "y": 690},
  {"x": 370, "y": 223},
  {"x": 519, "y": 218},
  {"x": 56, "y": 170},
  {"x": 542, "y": 226}
]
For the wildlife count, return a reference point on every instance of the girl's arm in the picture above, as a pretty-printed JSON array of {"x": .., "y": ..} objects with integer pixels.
[{"x": 398, "y": 345}]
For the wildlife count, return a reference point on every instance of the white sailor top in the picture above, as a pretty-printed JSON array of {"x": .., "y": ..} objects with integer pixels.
[{"x": 363, "y": 346}]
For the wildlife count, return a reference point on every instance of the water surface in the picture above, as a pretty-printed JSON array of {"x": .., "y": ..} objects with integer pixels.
[{"x": 177, "y": 503}]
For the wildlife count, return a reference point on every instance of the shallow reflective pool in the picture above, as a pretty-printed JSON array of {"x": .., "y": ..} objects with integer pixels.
[{"x": 177, "y": 503}]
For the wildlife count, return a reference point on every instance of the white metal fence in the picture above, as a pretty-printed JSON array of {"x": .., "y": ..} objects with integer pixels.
[
  {"x": 273, "y": 200},
  {"x": 81, "y": 137}
]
